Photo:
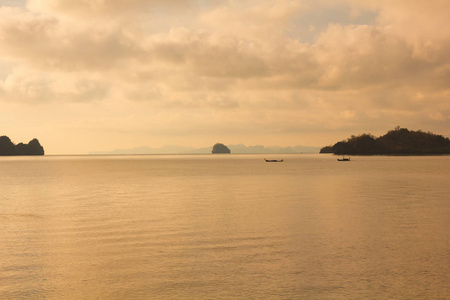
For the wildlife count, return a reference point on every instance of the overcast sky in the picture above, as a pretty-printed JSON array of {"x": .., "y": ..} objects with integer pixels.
[{"x": 92, "y": 75}]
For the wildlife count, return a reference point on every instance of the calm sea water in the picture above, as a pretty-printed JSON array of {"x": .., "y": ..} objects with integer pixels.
[{"x": 224, "y": 226}]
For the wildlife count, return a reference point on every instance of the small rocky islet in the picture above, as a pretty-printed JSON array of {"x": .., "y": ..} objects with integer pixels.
[{"x": 8, "y": 148}]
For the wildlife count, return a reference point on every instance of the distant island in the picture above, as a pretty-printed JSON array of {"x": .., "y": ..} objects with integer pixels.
[
  {"x": 220, "y": 148},
  {"x": 8, "y": 148},
  {"x": 399, "y": 141},
  {"x": 238, "y": 148}
]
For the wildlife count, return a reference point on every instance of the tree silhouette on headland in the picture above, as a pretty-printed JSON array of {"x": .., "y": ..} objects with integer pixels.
[
  {"x": 399, "y": 141},
  {"x": 220, "y": 148},
  {"x": 7, "y": 147}
]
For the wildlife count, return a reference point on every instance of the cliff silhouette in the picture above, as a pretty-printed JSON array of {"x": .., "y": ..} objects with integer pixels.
[
  {"x": 220, "y": 148},
  {"x": 8, "y": 148},
  {"x": 399, "y": 141}
]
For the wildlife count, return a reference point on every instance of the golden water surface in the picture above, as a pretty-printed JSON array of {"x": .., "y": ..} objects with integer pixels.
[{"x": 224, "y": 226}]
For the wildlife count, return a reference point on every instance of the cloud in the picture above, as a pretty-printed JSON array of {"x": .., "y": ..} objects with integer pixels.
[
  {"x": 102, "y": 8},
  {"x": 29, "y": 86},
  {"x": 342, "y": 56},
  {"x": 257, "y": 66},
  {"x": 49, "y": 43}
]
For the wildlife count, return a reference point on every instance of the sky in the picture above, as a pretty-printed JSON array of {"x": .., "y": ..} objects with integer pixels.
[{"x": 94, "y": 75}]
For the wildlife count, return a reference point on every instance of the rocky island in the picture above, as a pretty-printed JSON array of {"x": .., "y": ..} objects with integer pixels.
[
  {"x": 8, "y": 148},
  {"x": 399, "y": 141},
  {"x": 220, "y": 148}
]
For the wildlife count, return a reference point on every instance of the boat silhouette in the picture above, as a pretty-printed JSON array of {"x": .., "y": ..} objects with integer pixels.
[
  {"x": 344, "y": 159},
  {"x": 273, "y": 160}
]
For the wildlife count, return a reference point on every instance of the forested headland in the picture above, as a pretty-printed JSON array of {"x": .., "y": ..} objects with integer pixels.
[
  {"x": 8, "y": 148},
  {"x": 399, "y": 141}
]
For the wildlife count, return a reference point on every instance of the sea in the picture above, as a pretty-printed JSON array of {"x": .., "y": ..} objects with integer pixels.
[{"x": 224, "y": 227}]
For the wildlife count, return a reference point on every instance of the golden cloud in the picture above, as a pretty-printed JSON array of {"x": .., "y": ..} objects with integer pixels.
[{"x": 236, "y": 58}]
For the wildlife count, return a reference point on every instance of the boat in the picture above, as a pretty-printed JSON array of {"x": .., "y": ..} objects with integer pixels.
[
  {"x": 344, "y": 158},
  {"x": 273, "y": 160}
]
